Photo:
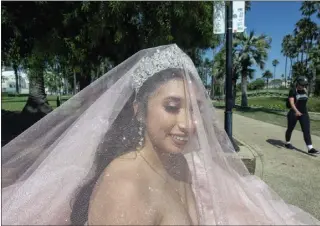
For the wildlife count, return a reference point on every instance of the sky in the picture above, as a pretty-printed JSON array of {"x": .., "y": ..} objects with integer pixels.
[{"x": 275, "y": 19}]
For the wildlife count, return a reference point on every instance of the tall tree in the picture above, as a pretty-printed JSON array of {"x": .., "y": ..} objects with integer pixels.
[
  {"x": 85, "y": 33},
  {"x": 219, "y": 69},
  {"x": 292, "y": 52},
  {"x": 13, "y": 48},
  {"x": 286, "y": 52},
  {"x": 267, "y": 75},
  {"x": 252, "y": 50},
  {"x": 307, "y": 34},
  {"x": 106, "y": 29},
  {"x": 309, "y": 8},
  {"x": 315, "y": 68},
  {"x": 306, "y": 31},
  {"x": 34, "y": 31},
  {"x": 275, "y": 63}
]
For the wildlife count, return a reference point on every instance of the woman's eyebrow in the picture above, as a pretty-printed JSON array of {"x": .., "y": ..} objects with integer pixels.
[
  {"x": 174, "y": 98},
  {"x": 179, "y": 99}
]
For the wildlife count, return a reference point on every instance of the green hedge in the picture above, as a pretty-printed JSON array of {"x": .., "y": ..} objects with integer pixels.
[
  {"x": 279, "y": 103},
  {"x": 275, "y": 103}
]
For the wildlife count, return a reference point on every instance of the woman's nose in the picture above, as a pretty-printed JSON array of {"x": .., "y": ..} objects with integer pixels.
[{"x": 185, "y": 122}]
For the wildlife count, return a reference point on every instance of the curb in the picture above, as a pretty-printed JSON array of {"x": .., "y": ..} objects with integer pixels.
[{"x": 257, "y": 159}]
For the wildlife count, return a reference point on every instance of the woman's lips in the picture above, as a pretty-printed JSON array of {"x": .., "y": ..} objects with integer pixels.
[{"x": 179, "y": 140}]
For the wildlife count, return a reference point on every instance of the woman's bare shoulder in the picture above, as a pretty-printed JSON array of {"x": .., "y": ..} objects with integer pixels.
[
  {"x": 123, "y": 170},
  {"x": 121, "y": 195}
]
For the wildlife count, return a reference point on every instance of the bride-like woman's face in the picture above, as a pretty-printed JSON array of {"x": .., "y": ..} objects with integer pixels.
[{"x": 169, "y": 121}]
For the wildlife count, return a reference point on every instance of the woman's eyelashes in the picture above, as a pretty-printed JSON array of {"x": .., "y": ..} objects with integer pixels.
[
  {"x": 175, "y": 109},
  {"x": 172, "y": 108}
]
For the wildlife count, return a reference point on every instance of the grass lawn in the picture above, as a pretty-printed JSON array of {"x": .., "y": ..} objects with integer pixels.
[
  {"x": 279, "y": 103},
  {"x": 265, "y": 114},
  {"x": 16, "y": 103}
]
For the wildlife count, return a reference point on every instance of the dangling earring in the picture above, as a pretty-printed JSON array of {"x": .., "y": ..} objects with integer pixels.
[{"x": 141, "y": 135}]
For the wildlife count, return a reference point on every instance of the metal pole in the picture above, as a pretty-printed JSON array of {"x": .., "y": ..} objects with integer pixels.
[{"x": 228, "y": 96}]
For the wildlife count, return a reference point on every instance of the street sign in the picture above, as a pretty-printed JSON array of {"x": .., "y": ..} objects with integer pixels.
[
  {"x": 219, "y": 17},
  {"x": 238, "y": 16},
  {"x": 219, "y": 25}
]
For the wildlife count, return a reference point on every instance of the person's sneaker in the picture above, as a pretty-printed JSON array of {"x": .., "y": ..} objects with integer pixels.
[
  {"x": 289, "y": 146},
  {"x": 313, "y": 151}
]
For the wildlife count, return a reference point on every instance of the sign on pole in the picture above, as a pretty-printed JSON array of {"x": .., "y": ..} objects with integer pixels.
[
  {"x": 238, "y": 16},
  {"x": 219, "y": 25},
  {"x": 219, "y": 12}
]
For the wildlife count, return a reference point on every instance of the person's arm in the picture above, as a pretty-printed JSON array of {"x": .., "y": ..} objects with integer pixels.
[
  {"x": 118, "y": 200},
  {"x": 292, "y": 104}
]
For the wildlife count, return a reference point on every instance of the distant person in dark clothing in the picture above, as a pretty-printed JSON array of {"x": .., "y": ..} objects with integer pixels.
[{"x": 297, "y": 102}]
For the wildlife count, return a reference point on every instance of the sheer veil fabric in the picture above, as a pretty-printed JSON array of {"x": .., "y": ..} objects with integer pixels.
[{"x": 44, "y": 167}]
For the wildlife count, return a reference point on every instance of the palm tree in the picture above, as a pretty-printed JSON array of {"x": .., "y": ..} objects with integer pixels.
[
  {"x": 315, "y": 68},
  {"x": 267, "y": 75},
  {"x": 306, "y": 31},
  {"x": 236, "y": 72},
  {"x": 285, "y": 51},
  {"x": 308, "y": 8},
  {"x": 306, "y": 34},
  {"x": 252, "y": 50},
  {"x": 292, "y": 51},
  {"x": 219, "y": 69},
  {"x": 283, "y": 80},
  {"x": 275, "y": 62}
]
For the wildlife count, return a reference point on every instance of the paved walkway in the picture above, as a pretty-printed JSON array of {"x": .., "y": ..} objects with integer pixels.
[{"x": 293, "y": 174}]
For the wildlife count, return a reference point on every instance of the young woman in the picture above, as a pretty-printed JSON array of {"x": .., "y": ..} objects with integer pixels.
[
  {"x": 139, "y": 146},
  {"x": 149, "y": 173},
  {"x": 298, "y": 98}
]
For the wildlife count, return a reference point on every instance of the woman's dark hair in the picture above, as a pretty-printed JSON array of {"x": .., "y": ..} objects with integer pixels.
[{"x": 125, "y": 125}]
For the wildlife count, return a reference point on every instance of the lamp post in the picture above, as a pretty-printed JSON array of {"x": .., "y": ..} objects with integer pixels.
[
  {"x": 228, "y": 18},
  {"x": 228, "y": 96}
]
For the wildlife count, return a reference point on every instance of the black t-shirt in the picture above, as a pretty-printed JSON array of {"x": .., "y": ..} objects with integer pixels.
[{"x": 300, "y": 99}]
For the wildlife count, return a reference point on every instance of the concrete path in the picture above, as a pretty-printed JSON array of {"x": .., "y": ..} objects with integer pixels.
[{"x": 293, "y": 174}]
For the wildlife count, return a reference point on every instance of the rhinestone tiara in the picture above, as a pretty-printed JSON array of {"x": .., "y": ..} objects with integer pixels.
[{"x": 171, "y": 57}]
